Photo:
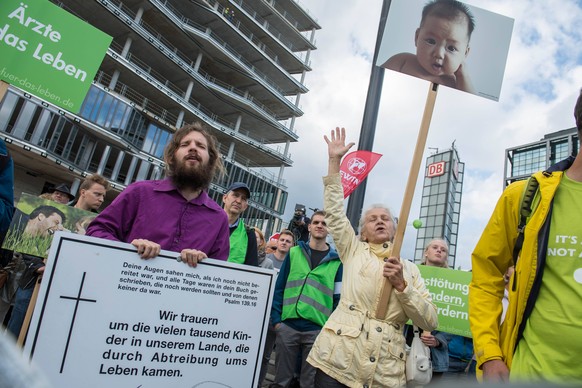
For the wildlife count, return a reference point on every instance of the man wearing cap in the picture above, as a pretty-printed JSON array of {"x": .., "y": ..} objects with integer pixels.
[
  {"x": 62, "y": 194},
  {"x": 243, "y": 243},
  {"x": 175, "y": 213}
]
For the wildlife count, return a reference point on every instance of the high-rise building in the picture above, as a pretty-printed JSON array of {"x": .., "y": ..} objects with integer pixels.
[
  {"x": 524, "y": 160},
  {"x": 440, "y": 205},
  {"x": 237, "y": 66}
]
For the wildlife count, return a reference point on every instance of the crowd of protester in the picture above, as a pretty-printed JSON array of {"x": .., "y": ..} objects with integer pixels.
[{"x": 324, "y": 327}]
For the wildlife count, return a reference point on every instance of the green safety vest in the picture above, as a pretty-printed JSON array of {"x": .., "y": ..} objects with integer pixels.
[
  {"x": 239, "y": 242},
  {"x": 309, "y": 292}
]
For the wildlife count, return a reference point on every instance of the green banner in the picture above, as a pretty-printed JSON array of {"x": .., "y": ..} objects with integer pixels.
[
  {"x": 48, "y": 52},
  {"x": 449, "y": 289}
]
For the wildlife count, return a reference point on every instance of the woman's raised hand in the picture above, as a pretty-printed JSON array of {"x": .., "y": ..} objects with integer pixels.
[{"x": 336, "y": 147}]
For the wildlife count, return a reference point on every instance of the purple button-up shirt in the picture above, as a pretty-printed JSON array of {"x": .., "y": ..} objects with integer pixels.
[{"x": 156, "y": 211}]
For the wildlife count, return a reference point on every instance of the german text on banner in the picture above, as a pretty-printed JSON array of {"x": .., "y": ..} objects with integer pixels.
[
  {"x": 449, "y": 289},
  {"x": 106, "y": 318}
]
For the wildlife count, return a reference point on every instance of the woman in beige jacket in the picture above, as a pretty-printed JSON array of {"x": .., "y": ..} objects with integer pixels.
[{"x": 354, "y": 348}]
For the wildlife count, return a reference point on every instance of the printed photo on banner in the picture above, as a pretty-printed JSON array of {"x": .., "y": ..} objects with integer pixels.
[
  {"x": 449, "y": 289},
  {"x": 36, "y": 220},
  {"x": 449, "y": 43}
]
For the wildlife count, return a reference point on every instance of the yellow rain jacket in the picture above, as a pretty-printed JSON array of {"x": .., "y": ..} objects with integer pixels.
[{"x": 494, "y": 254}]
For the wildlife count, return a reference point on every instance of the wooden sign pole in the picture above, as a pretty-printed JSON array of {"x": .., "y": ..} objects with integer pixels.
[
  {"x": 409, "y": 193},
  {"x": 29, "y": 311}
]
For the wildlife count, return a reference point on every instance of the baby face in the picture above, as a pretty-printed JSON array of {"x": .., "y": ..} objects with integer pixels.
[{"x": 442, "y": 45}]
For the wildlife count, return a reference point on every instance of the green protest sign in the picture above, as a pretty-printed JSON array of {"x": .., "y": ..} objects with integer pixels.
[
  {"x": 48, "y": 52},
  {"x": 450, "y": 293}
]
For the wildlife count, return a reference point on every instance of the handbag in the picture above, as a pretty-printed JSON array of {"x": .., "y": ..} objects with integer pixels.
[{"x": 418, "y": 363}]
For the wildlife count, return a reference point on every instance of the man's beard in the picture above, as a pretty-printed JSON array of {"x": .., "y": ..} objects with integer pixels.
[{"x": 191, "y": 177}]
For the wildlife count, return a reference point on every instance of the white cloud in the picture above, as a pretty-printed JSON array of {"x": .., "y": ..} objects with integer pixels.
[{"x": 541, "y": 83}]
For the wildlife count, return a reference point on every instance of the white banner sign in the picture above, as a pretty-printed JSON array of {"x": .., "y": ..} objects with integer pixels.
[{"x": 106, "y": 318}]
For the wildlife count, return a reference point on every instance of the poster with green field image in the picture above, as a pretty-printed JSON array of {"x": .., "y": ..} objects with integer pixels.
[{"x": 36, "y": 220}]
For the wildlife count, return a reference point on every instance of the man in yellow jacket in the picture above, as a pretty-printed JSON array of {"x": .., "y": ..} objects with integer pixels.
[{"x": 539, "y": 338}]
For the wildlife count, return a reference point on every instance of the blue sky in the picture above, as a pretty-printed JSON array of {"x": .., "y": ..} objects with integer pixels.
[{"x": 542, "y": 79}]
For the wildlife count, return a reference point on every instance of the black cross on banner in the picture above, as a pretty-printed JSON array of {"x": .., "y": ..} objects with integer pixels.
[{"x": 77, "y": 299}]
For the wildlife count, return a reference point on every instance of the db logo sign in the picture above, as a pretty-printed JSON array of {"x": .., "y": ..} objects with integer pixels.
[
  {"x": 435, "y": 169},
  {"x": 357, "y": 166}
]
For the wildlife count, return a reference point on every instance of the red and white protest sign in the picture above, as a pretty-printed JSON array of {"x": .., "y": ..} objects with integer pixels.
[{"x": 355, "y": 168}]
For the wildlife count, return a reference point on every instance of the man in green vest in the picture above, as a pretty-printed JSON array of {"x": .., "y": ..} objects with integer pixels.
[
  {"x": 243, "y": 243},
  {"x": 307, "y": 291}
]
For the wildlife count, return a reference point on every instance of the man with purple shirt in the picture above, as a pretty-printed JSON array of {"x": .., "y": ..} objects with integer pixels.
[{"x": 175, "y": 213}]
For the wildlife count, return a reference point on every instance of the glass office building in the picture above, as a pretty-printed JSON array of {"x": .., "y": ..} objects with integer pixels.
[
  {"x": 237, "y": 66},
  {"x": 440, "y": 205},
  {"x": 524, "y": 160}
]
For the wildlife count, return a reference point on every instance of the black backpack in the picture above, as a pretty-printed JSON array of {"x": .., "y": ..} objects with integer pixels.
[{"x": 527, "y": 205}]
